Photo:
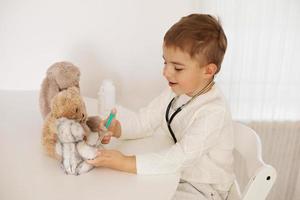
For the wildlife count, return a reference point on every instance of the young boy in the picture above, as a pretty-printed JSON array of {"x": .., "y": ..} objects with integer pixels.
[{"x": 193, "y": 112}]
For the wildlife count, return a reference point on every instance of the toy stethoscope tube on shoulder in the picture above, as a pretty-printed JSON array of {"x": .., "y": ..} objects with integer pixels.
[{"x": 169, "y": 120}]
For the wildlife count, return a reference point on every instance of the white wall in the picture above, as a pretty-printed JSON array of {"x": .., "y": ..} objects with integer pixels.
[
  {"x": 119, "y": 39},
  {"x": 122, "y": 40}
]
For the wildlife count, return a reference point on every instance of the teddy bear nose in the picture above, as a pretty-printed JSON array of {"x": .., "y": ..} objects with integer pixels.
[{"x": 82, "y": 115}]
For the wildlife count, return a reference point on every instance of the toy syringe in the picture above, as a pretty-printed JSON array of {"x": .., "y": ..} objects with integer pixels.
[{"x": 112, "y": 115}]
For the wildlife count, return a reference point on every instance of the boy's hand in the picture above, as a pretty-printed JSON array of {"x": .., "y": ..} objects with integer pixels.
[
  {"x": 113, "y": 130},
  {"x": 115, "y": 160}
]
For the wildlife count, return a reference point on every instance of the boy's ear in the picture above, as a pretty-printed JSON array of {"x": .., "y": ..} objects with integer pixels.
[{"x": 211, "y": 69}]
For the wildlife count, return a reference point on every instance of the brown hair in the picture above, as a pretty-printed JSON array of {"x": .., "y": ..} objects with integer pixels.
[{"x": 199, "y": 34}]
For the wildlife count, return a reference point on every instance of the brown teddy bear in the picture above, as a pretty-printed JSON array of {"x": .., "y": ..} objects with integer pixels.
[
  {"x": 60, "y": 76},
  {"x": 66, "y": 104}
]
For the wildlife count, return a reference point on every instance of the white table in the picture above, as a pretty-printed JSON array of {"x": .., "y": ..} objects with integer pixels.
[{"x": 27, "y": 174}]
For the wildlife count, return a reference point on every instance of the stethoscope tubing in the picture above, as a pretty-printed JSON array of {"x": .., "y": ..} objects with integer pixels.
[{"x": 169, "y": 120}]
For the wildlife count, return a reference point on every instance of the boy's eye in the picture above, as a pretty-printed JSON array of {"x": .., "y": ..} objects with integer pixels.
[{"x": 178, "y": 69}]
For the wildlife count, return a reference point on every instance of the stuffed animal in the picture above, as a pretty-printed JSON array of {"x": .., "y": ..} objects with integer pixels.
[
  {"x": 60, "y": 76},
  {"x": 68, "y": 104},
  {"x": 72, "y": 148}
]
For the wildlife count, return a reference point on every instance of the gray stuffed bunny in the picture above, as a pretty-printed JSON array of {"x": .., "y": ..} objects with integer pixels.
[{"x": 74, "y": 151}]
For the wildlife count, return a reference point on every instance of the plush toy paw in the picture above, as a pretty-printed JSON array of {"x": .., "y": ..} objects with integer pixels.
[
  {"x": 83, "y": 168},
  {"x": 94, "y": 139},
  {"x": 85, "y": 151},
  {"x": 93, "y": 123}
]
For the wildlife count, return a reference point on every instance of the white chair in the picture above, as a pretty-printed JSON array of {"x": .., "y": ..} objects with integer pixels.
[{"x": 261, "y": 176}]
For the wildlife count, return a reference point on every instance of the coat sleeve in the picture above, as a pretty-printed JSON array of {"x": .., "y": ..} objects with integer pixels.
[
  {"x": 202, "y": 134},
  {"x": 143, "y": 123}
]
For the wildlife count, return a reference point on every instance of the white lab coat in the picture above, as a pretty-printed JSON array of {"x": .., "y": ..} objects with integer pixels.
[{"x": 203, "y": 153}]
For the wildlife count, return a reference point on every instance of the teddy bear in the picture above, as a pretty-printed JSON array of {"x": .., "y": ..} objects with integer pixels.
[
  {"x": 59, "y": 76},
  {"x": 66, "y": 104},
  {"x": 73, "y": 150}
]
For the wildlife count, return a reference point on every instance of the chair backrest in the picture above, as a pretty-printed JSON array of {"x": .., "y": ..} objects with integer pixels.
[
  {"x": 248, "y": 145},
  {"x": 261, "y": 176}
]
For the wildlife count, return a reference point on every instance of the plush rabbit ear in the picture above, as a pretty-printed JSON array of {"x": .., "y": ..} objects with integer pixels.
[
  {"x": 65, "y": 74},
  {"x": 49, "y": 89},
  {"x": 51, "y": 76},
  {"x": 53, "y": 86},
  {"x": 44, "y": 108},
  {"x": 52, "y": 71}
]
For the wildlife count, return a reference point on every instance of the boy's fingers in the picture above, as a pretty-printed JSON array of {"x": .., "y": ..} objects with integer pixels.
[
  {"x": 114, "y": 111},
  {"x": 98, "y": 160},
  {"x": 108, "y": 134},
  {"x": 113, "y": 122},
  {"x": 95, "y": 161},
  {"x": 100, "y": 153},
  {"x": 106, "y": 139},
  {"x": 102, "y": 126}
]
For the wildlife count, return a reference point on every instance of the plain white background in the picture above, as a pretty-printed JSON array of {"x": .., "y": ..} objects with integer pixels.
[{"x": 122, "y": 40}]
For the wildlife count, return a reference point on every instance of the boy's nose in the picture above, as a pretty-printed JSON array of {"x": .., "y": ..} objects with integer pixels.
[{"x": 167, "y": 71}]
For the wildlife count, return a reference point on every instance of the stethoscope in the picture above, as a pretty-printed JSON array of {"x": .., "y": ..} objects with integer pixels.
[{"x": 169, "y": 120}]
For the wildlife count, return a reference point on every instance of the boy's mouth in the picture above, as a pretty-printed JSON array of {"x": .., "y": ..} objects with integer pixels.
[{"x": 171, "y": 84}]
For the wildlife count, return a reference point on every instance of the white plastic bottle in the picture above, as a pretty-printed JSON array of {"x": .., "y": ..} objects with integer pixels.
[{"x": 106, "y": 98}]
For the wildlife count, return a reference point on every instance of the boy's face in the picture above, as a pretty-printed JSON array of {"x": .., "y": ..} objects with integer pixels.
[{"x": 184, "y": 74}]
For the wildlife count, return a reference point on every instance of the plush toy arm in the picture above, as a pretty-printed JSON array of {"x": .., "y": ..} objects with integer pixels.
[
  {"x": 95, "y": 138},
  {"x": 49, "y": 89},
  {"x": 85, "y": 151},
  {"x": 93, "y": 123},
  {"x": 83, "y": 168}
]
